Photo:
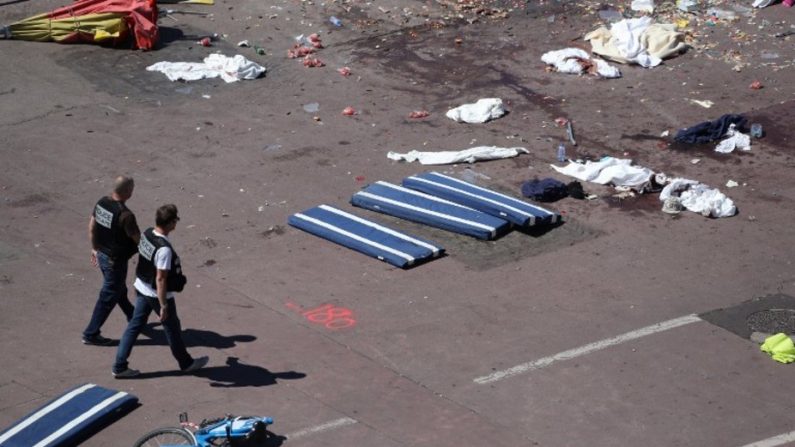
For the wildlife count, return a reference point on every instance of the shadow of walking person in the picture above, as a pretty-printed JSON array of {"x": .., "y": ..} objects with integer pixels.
[
  {"x": 236, "y": 374},
  {"x": 195, "y": 338}
]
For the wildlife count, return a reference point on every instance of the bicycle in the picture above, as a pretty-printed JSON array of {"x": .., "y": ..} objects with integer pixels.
[{"x": 221, "y": 432}]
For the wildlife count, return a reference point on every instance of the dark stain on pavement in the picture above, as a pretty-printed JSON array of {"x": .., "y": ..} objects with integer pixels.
[{"x": 30, "y": 200}]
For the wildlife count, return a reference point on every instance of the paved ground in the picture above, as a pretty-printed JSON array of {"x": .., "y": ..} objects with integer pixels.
[{"x": 418, "y": 359}]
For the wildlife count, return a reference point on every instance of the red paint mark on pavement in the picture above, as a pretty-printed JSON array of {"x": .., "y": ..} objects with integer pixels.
[{"x": 328, "y": 315}]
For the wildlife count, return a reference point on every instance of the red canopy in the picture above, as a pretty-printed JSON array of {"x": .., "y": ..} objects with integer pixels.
[{"x": 140, "y": 16}]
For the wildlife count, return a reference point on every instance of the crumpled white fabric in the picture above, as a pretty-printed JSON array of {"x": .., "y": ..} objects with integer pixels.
[
  {"x": 642, "y": 5},
  {"x": 468, "y": 155},
  {"x": 609, "y": 170},
  {"x": 566, "y": 61},
  {"x": 699, "y": 198},
  {"x": 483, "y": 110},
  {"x": 762, "y": 3},
  {"x": 626, "y": 36},
  {"x": 734, "y": 139},
  {"x": 230, "y": 69}
]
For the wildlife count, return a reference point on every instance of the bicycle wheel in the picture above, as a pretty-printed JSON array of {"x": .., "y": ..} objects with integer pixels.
[{"x": 166, "y": 436}]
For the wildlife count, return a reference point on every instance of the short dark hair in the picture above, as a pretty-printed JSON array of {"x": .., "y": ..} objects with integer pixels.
[
  {"x": 123, "y": 185},
  {"x": 166, "y": 214}
]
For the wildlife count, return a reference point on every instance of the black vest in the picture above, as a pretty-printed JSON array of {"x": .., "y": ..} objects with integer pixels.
[
  {"x": 109, "y": 235},
  {"x": 146, "y": 270}
]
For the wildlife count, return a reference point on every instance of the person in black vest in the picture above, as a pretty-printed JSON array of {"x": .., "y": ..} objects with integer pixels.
[
  {"x": 114, "y": 235},
  {"x": 158, "y": 278}
]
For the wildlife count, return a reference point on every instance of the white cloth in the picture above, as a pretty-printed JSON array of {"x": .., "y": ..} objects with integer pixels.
[
  {"x": 230, "y": 69},
  {"x": 699, "y": 198},
  {"x": 609, "y": 170},
  {"x": 627, "y": 38},
  {"x": 567, "y": 60},
  {"x": 162, "y": 261},
  {"x": 734, "y": 139},
  {"x": 642, "y": 5},
  {"x": 483, "y": 110},
  {"x": 468, "y": 155}
]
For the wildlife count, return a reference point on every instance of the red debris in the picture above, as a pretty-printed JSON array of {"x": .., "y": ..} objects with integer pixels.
[
  {"x": 206, "y": 42},
  {"x": 345, "y": 71},
  {"x": 299, "y": 51},
  {"x": 419, "y": 114},
  {"x": 561, "y": 121},
  {"x": 312, "y": 62},
  {"x": 360, "y": 178},
  {"x": 756, "y": 85},
  {"x": 314, "y": 39},
  {"x": 349, "y": 111}
]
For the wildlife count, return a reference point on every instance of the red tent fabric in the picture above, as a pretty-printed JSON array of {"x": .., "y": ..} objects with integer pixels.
[{"x": 140, "y": 16}]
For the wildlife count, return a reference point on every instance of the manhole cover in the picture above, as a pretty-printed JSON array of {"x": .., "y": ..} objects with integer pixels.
[{"x": 772, "y": 321}]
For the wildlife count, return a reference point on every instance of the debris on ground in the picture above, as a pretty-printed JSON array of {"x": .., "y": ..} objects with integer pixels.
[
  {"x": 734, "y": 139},
  {"x": 483, "y": 110},
  {"x": 637, "y": 41},
  {"x": 699, "y": 198},
  {"x": 609, "y": 170},
  {"x": 312, "y": 62},
  {"x": 345, "y": 71},
  {"x": 544, "y": 190},
  {"x": 709, "y": 131},
  {"x": 705, "y": 103},
  {"x": 465, "y": 156},
  {"x": 780, "y": 347},
  {"x": 230, "y": 69},
  {"x": 417, "y": 114},
  {"x": 349, "y": 111},
  {"x": 577, "y": 61}
]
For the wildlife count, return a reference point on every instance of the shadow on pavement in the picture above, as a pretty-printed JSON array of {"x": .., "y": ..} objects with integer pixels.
[
  {"x": 193, "y": 338},
  {"x": 233, "y": 375}
]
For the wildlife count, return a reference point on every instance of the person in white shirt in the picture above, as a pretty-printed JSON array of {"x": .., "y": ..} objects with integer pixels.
[{"x": 158, "y": 277}]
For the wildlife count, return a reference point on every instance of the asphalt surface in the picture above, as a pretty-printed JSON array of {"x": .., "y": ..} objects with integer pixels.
[{"x": 398, "y": 358}]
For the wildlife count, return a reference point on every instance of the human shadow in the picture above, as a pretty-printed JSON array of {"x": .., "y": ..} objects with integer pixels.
[
  {"x": 193, "y": 338},
  {"x": 232, "y": 375}
]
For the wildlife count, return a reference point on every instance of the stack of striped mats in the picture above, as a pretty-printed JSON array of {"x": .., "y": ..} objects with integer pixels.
[
  {"x": 432, "y": 199},
  {"x": 70, "y": 418}
]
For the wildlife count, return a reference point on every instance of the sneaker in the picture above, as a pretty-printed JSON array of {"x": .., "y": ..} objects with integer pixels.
[
  {"x": 197, "y": 364},
  {"x": 97, "y": 340},
  {"x": 126, "y": 374}
]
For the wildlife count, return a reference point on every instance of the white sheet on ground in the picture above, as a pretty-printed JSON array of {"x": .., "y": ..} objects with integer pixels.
[
  {"x": 609, "y": 170},
  {"x": 468, "y": 155},
  {"x": 568, "y": 60},
  {"x": 642, "y": 5},
  {"x": 734, "y": 139},
  {"x": 637, "y": 41},
  {"x": 230, "y": 69},
  {"x": 483, "y": 110},
  {"x": 699, "y": 198}
]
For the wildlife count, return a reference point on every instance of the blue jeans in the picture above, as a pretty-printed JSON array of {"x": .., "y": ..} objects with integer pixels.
[
  {"x": 143, "y": 307},
  {"x": 113, "y": 291}
]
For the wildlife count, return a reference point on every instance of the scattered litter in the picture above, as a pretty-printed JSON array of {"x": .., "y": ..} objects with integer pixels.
[
  {"x": 672, "y": 205},
  {"x": 570, "y": 133},
  {"x": 244, "y": 43},
  {"x": 206, "y": 96},
  {"x": 637, "y": 41},
  {"x": 349, "y": 111},
  {"x": 665, "y": 133},
  {"x": 732, "y": 184},
  {"x": 687, "y": 5},
  {"x": 483, "y": 110},
  {"x": 735, "y": 139},
  {"x": 544, "y": 190},
  {"x": 335, "y": 21},
  {"x": 312, "y": 62},
  {"x": 345, "y": 71},
  {"x": 699, "y": 198},
  {"x": 312, "y": 107},
  {"x": 299, "y": 51},
  {"x": 417, "y": 114},
  {"x": 465, "y": 156},
  {"x": 609, "y": 170},
  {"x": 205, "y": 42},
  {"x": 643, "y": 5},
  {"x": 756, "y": 85},
  {"x": 695, "y": 161},
  {"x": 577, "y": 61},
  {"x": 756, "y": 130},
  {"x": 762, "y": 3},
  {"x": 561, "y": 121},
  {"x": 230, "y": 69},
  {"x": 708, "y": 131},
  {"x": 770, "y": 54},
  {"x": 705, "y": 103},
  {"x": 780, "y": 347}
]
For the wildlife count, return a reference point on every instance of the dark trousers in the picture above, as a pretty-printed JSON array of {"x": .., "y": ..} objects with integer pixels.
[
  {"x": 113, "y": 292},
  {"x": 172, "y": 327}
]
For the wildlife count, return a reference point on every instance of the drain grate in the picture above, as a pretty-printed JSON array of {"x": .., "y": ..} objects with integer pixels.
[{"x": 772, "y": 321}]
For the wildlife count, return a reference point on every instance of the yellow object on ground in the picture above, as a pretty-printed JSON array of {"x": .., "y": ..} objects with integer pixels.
[
  {"x": 89, "y": 27},
  {"x": 780, "y": 347}
]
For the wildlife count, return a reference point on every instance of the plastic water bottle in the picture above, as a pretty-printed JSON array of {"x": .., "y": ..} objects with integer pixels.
[
  {"x": 756, "y": 130},
  {"x": 561, "y": 152},
  {"x": 335, "y": 21}
]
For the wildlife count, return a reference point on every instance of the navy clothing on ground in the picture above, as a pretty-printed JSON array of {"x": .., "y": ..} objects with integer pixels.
[
  {"x": 709, "y": 131},
  {"x": 545, "y": 190}
]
